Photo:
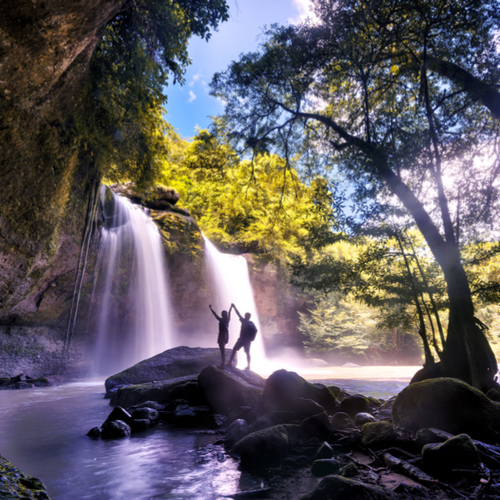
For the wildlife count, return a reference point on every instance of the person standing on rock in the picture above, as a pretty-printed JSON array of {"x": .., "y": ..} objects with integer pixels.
[
  {"x": 247, "y": 336},
  {"x": 223, "y": 337}
]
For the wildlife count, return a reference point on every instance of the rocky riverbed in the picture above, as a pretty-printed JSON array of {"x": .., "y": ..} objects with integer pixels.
[{"x": 436, "y": 439}]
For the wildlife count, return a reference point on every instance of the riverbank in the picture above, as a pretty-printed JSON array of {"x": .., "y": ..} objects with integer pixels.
[{"x": 43, "y": 433}]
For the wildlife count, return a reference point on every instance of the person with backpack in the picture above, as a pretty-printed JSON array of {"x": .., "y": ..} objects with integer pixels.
[
  {"x": 223, "y": 337},
  {"x": 247, "y": 336}
]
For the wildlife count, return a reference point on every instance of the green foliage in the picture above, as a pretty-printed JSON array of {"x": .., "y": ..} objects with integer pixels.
[
  {"x": 120, "y": 124},
  {"x": 257, "y": 205},
  {"x": 342, "y": 328}
]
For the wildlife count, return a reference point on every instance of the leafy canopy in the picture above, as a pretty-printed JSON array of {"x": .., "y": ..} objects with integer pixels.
[
  {"x": 257, "y": 205},
  {"x": 120, "y": 122}
]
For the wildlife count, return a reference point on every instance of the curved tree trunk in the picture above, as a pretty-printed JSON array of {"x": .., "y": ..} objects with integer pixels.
[{"x": 467, "y": 354}]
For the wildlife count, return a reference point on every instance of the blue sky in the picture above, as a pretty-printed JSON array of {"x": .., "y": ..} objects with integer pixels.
[{"x": 189, "y": 106}]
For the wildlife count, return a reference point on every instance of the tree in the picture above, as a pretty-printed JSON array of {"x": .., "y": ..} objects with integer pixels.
[
  {"x": 257, "y": 205},
  {"x": 120, "y": 122},
  {"x": 357, "y": 87}
]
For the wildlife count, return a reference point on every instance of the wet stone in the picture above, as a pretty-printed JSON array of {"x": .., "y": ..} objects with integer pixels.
[
  {"x": 342, "y": 421},
  {"x": 115, "y": 429},
  {"x": 350, "y": 470},
  {"x": 363, "y": 418},
  {"x": 139, "y": 424},
  {"x": 325, "y": 451},
  {"x": 325, "y": 467}
]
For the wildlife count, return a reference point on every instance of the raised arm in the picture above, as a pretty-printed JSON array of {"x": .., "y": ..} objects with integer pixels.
[
  {"x": 213, "y": 312},
  {"x": 237, "y": 312}
]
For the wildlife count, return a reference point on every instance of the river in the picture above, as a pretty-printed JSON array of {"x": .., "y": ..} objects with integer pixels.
[{"x": 43, "y": 431}]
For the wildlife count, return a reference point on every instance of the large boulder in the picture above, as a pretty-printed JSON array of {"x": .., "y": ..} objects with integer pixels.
[
  {"x": 283, "y": 388},
  {"x": 450, "y": 405},
  {"x": 173, "y": 363},
  {"x": 226, "y": 390},
  {"x": 261, "y": 448},
  {"x": 458, "y": 452},
  {"x": 160, "y": 392}
]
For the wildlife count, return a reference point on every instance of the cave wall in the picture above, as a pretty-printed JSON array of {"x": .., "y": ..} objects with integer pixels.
[{"x": 45, "y": 48}]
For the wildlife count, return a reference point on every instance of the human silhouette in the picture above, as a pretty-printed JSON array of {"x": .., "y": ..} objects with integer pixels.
[
  {"x": 247, "y": 335},
  {"x": 223, "y": 337}
]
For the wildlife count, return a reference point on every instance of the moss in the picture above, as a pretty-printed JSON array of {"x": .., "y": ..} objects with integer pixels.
[
  {"x": 180, "y": 234},
  {"x": 16, "y": 484}
]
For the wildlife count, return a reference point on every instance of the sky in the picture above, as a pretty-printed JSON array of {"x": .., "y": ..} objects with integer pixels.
[{"x": 189, "y": 106}]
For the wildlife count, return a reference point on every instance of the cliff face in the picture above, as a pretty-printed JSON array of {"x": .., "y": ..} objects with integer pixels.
[{"x": 45, "y": 48}]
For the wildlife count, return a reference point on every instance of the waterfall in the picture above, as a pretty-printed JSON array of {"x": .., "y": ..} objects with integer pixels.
[
  {"x": 132, "y": 318},
  {"x": 229, "y": 275}
]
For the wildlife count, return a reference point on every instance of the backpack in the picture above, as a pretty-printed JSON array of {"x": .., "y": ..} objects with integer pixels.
[{"x": 252, "y": 330}]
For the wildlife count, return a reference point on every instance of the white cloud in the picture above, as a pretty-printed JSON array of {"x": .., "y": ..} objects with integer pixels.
[
  {"x": 192, "y": 96},
  {"x": 195, "y": 79},
  {"x": 303, "y": 11}
]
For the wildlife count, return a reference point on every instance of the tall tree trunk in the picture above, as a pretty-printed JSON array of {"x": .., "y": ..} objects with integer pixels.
[{"x": 467, "y": 354}]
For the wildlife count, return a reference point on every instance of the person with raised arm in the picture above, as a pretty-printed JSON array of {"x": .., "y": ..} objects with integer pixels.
[
  {"x": 223, "y": 337},
  {"x": 247, "y": 336}
]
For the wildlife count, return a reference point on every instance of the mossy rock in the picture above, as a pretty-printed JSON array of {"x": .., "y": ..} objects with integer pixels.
[
  {"x": 14, "y": 483},
  {"x": 263, "y": 447},
  {"x": 283, "y": 388},
  {"x": 450, "y": 405}
]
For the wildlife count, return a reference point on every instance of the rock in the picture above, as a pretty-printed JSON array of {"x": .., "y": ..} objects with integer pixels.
[
  {"x": 349, "y": 470},
  {"x": 458, "y": 452},
  {"x": 159, "y": 392},
  {"x": 494, "y": 395},
  {"x": 324, "y": 451},
  {"x": 190, "y": 391},
  {"x": 325, "y": 467},
  {"x": 384, "y": 414},
  {"x": 170, "y": 364},
  {"x": 304, "y": 407},
  {"x": 337, "y": 392},
  {"x": 448, "y": 404},
  {"x": 342, "y": 488},
  {"x": 94, "y": 433},
  {"x": 237, "y": 430},
  {"x": 224, "y": 391},
  {"x": 283, "y": 388},
  {"x": 378, "y": 435},
  {"x": 426, "y": 436},
  {"x": 352, "y": 405},
  {"x": 261, "y": 448},
  {"x": 148, "y": 404},
  {"x": 317, "y": 425},
  {"x": 263, "y": 422},
  {"x": 15, "y": 484},
  {"x": 363, "y": 418},
  {"x": 191, "y": 416},
  {"x": 146, "y": 414},
  {"x": 139, "y": 424},
  {"x": 119, "y": 413},
  {"x": 341, "y": 421},
  {"x": 245, "y": 412},
  {"x": 115, "y": 429}
]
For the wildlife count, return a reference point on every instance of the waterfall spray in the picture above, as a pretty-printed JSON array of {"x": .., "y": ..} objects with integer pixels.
[
  {"x": 229, "y": 275},
  {"x": 133, "y": 320}
]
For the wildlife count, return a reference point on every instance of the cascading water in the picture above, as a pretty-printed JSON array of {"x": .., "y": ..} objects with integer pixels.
[
  {"x": 229, "y": 274},
  {"x": 132, "y": 319}
]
